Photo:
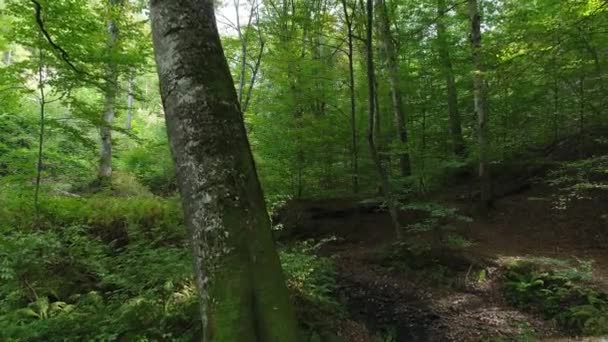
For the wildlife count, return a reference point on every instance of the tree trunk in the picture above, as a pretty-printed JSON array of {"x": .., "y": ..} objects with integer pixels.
[
  {"x": 458, "y": 147},
  {"x": 105, "y": 129},
  {"x": 353, "y": 108},
  {"x": 42, "y": 108},
  {"x": 7, "y": 57},
  {"x": 130, "y": 99},
  {"x": 481, "y": 105},
  {"x": 239, "y": 280},
  {"x": 396, "y": 92},
  {"x": 384, "y": 181}
]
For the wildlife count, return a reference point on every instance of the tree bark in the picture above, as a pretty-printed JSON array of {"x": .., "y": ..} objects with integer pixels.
[
  {"x": 353, "y": 108},
  {"x": 384, "y": 181},
  {"x": 396, "y": 92},
  {"x": 239, "y": 279},
  {"x": 458, "y": 146},
  {"x": 105, "y": 129},
  {"x": 481, "y": 105}
]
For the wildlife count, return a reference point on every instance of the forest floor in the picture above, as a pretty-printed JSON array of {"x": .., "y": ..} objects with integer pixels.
[{"x": 405, "y": 306}]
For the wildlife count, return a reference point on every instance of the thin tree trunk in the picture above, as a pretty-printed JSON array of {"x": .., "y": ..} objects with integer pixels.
[
  {"x": 42, "y": 102},
  {"x": 581, "y": 116},
  {"x": 247, "y": 94},
  {"x": 256, "y": 68},
  {"x": 377, "y": 116},
  {"x": 556, "y": 105},
  {"x": 105, "y": 129},
  {"x": 353, "y": 108},
  {"x": 243, "y": 297},
  {"x": 244, "y": 39},
  {"x": 396, "y": 92},
  {"x": 481, "y": 106},
  {"x": 130, "y": 100},
  {"x": 7, "y": 57},
  {"x": 458, "y": 147},
  {"x": 384, "y": 181}
]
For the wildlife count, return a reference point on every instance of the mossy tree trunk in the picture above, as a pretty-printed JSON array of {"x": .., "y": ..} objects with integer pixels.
[{"x": 239, "y": 279}]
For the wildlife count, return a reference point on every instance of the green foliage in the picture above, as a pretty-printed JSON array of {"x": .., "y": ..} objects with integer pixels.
[
  {"x": 106, "y": 268},
  {"x": 114, "y": 266},
  {"x": 96, "y": 268},
  {"x": 580, "y": 179},
  {"x": 311, "y": 279},
  {"x": 153, "y": 167},
  {"x": 558, "y": 293},
  {"x": 436, "y": 230},
  {"x": 150, "y": 159},
  {"x": 431, "y": 249}
]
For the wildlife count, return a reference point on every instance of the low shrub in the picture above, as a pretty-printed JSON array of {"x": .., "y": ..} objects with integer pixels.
[
  {"x": 311, "y": 280},
  {"x": 559, "y": 293}
]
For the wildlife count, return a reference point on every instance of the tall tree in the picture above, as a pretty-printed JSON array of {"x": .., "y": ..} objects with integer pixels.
[
  {"x": 448, "y": 74},
  {"x": 240, "y": 284},
  {"x": 481, "y": 104},
  {"x": 371, "y": 137},
  {"x": 388, "y": 47},
  {"x": 42, "y": 110},
  {"x": 351, "y": 92},
  {"x": 111, "y": 75}
]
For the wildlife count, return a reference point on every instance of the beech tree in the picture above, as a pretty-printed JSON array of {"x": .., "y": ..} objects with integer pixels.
[{"x": 239, "y": 279}]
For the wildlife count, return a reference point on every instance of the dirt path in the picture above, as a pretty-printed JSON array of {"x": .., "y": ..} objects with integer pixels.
[{"x": 388, "y": 302}]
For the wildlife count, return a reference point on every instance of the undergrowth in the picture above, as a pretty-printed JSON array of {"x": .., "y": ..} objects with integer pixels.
[
  {"x": 559, "y": 292},
  {"x": 312, "y": 282},
  {"x": 432, "y": 248},
  {"x": 103, "y": 269}
]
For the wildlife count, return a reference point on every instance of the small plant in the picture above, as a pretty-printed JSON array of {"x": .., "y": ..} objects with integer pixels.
[
  {"x": 311, "y": 280},
  {"x": 43, "y": 308},
  {"x": 436, "y": 230},
  {"x": 310, "y": 275}
]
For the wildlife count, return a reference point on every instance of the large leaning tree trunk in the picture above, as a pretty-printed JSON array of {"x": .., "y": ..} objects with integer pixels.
[
  {"x": 105, "y": 128},
  {"x": 240, "y": 283},
  {"x": 458, "y": 147},
  {"x": 388, "y": 47},
  {"x": 371, "y": 137},
  {"x": 481, "y": 105}
]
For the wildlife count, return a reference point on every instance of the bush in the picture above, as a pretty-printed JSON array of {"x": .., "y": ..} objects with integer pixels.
[{"x": 560, "y": 294}]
